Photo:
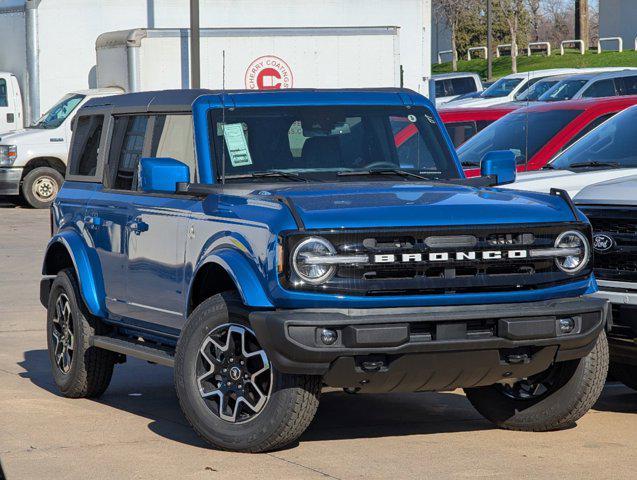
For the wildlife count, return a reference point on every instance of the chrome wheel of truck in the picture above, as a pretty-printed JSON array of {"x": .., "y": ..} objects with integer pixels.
[
  {"x": 41, "y": 185},
  {"x": 551, "y": 400},
  {"x": 233, "y": 373},
  {"x": 228, "y": 389}
]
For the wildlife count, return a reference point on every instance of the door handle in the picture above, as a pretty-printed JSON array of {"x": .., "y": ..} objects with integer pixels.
[{"x": 137, "y": 226}]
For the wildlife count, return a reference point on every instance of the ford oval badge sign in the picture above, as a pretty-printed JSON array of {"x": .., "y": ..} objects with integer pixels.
[{"x": 602, "y": 243}]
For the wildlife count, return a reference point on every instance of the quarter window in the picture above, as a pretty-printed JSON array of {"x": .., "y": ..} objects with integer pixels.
[
  {"x": 126, "y": 150},
  {"x": 85, "y": 146}
]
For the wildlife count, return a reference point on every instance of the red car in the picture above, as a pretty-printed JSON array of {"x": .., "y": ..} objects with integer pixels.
[
  {"x": 464, "y": 123},
  {"x": 537, "y": 133}
]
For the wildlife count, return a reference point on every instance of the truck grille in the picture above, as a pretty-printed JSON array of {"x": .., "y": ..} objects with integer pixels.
[
  {"x": 619, "y": 262},
  {"x": 448, "y": 277}
]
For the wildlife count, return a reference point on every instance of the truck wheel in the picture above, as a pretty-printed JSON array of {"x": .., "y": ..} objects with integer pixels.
[
  {"x": 229, "y": 391},
  {"x": 79, "y": 370},
  {"x": 627, "y": 374},
  {"x": 41, "y": 185},
  {"x": 550, "y": 400}
]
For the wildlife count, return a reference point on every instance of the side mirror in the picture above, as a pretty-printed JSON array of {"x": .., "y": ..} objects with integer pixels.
[
  {"x": 499, "y": 164},
  {"x": 161, "y": 174}
]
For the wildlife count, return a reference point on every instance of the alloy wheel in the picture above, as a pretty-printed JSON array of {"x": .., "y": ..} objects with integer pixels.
[
  {"x": 62, "y": 334},
  {"x": 234, "y": 375}
]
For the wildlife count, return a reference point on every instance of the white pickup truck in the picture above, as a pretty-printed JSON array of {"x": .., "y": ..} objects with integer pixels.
[{"x": 33, "y": 159}]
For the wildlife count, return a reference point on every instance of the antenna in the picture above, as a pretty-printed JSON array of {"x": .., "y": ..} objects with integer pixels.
[
  {"x": 223, "y": 117},
  {"x": 526, "y": 130}
]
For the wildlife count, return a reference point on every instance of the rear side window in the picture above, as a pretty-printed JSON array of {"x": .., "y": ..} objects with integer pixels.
[
  {"x": 630, "y": 86},
  {"x": 603, "y": 88},
  {"x": 127, "y": 147},
  {"x": 463, "y": 85},
  {"x": 85, "y": 145},
  {"x": 173, "y": 137}
]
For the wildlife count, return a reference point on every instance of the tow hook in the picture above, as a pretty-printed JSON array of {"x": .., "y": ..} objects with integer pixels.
[{"x": 518, "y": 359}]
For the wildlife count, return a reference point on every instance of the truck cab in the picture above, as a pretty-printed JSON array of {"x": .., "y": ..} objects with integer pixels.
[
  {"x": 33, "y": 159},
  {"x": 265, "y": 244},
  {"x": 11, "y": 115}
]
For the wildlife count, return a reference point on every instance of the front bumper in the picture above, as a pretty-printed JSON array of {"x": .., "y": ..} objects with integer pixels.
[
  {"x": 622, "y": 338},
  {"x": 430, "y": 348},
  {"x": 10, "y": 178}
]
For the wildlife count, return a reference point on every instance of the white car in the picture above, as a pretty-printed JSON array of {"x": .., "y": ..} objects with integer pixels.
[
  {"x": 508, "y": 88},
  {"x": 33, "y": 159},
  {"x": 453, "y": 85},
  {"x": 607, "y": 152},
  {"x": 593, "y": 85}
]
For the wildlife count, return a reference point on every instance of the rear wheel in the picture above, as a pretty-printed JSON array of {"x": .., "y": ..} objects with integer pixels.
[
  {"x": 229, "y": 390},
  {"x": 41, "y": 185},
  {"x": 79, "y": 370},
  {"x": 627, "y": 374},
  {"x": 551, "y": 400}
]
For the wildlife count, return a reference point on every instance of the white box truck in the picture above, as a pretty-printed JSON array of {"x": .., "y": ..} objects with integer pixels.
[{"x": 251, "y": 58}]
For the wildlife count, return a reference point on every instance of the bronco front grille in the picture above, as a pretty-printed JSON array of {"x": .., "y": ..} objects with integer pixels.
[
  {"x": 619, "y": 227},
  {"x": 447, "y": 277}
]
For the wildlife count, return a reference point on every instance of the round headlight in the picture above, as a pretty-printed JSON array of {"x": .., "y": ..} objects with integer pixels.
[
  {"x": 306, "y": 260},
  {"x": 576, "y": 251}
]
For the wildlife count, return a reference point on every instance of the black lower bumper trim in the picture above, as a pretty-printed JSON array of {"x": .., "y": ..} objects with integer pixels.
[{"x": 483, "y": 342}]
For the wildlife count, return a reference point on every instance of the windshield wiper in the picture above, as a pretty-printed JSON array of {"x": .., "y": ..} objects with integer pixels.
[
  {"x": 383, "y": 171},
  {"x": 548, "y": 166},
  {"x": 594, "y": 164},
  {"x": 470, "y": 164},
  {"x": 274, "y": 173}
]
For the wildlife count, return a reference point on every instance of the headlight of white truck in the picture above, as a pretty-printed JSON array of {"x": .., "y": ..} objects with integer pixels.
[{"x": 8, "y": 154}]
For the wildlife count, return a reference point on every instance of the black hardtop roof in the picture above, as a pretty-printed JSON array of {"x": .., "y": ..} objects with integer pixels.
[{"x": 182, "y": 100}]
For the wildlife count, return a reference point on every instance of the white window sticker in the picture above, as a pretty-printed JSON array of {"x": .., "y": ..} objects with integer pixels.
[{"x": 237, "y": 145}]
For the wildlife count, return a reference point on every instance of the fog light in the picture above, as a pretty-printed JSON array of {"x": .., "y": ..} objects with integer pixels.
[
  {"x": 567, "y": 325},
  {"x": 328, "y": 337}
]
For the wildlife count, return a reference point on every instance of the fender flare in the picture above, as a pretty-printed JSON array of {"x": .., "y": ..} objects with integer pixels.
[
  {"x": 86, "y": 264},
  {"x": 243, "y": 274}
]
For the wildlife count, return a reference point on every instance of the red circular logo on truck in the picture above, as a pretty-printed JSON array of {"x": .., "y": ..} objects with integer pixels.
[{"x": 268, "y": 73}]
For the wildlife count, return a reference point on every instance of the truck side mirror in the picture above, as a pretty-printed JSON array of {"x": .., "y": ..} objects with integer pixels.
[
  {"x": 161, "y": 174},
  {"x": 499, "y": 164}
]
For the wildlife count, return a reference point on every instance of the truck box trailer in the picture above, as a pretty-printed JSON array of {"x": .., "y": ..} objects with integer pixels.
[{"x": 253, "y": 59}]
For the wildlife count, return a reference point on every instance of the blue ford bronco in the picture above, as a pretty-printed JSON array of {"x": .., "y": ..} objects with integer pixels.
[{"x": 267, "y": 244}]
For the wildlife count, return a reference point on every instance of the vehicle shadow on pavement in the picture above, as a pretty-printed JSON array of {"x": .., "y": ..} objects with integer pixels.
[
  {"x": 10, "y": 202},
  {"x": 147, "y": 390},
  {"x": 617, "y": 398}
]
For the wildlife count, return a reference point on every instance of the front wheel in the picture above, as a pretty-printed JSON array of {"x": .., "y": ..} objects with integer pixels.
[
  {"x": 41, "y": 185},
  {"x": 229, "y": 390},
  {"x": 551, "y": 400}
]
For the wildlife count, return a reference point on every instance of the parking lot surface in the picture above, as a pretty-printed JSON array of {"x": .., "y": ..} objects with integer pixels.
[{"x": 136, "y": 429}]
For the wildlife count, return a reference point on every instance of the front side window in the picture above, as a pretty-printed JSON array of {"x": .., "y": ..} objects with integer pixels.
[
  {"x": 323, "y": 142},
  {"x": 535, "y": 91},
  {"x": 524, "y": 133},
  {"x": 612, "y": 145},
  {"x": 173, "y": 137},
  {"x": 501, "y": 88},
  {"x": 565, "y": 90},
  {"x": 603, "y": 88},
  {"x": 630, "y": 85},
  {"x": 59, "y": 112},
  {"x": 4, "y": 100},
  {"x": 85, "y": 145},
  {"x": 127, "y": 147},
  {"x": 462, "y": 85}
]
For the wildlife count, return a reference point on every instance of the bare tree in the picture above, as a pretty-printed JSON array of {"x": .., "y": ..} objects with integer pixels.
[
  {"x": 535, "y": 11},
  {"x": 450, "y": 12},
  {"x": 512, "y": 10}
]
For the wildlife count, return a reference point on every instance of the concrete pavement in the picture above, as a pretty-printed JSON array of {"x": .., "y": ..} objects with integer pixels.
[{"x": 136, "y": 429}]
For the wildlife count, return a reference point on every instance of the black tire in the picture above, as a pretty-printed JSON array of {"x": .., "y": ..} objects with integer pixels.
[
  {"x": 90, "y": 368},
  {"x": 575, "y": 386},
  {"x": 627, "y": 374},
  {"x": 40, "y": 186},
  {"x": 290, "y": 405}
]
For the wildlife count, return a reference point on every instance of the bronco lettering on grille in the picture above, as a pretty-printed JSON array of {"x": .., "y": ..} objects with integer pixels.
[{"x": 451, "y": 256}]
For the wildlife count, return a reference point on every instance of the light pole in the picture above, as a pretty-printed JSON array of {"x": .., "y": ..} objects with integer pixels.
[
  {"x": 489, "y": 35},
  {"x": 195, "y": 51}
]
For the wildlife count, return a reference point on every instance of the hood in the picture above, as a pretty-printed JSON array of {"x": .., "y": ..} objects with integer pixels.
[
  {"x": 619, "y": 191},
  {"x": 477, "y": 102},
  {"x": 572, "y": 182},
  {"x": 385, "y": 204},
  {"x": 29, "y": 136}
]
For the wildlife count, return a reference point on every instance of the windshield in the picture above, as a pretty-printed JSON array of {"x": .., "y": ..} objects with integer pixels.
[
  {"x": 536, "y": 90},
  {"x": 612, "y": 144},
  {"x": 521, "y": 132},
  {"x": 565, "y": 90},
  {"x": 318, "y": 143},
  {"x": 59, "y": 112},
  {"x": 501, "y": 88}
]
